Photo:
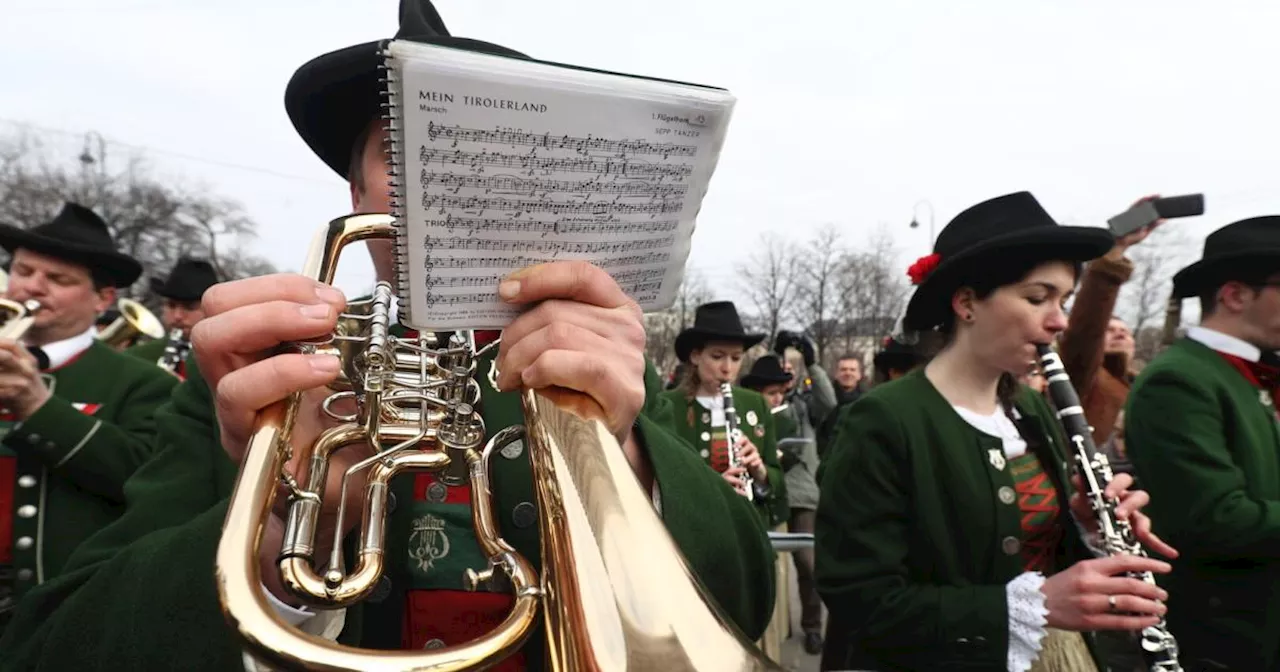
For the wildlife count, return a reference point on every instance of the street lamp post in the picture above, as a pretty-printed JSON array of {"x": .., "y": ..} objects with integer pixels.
[{"x": 915, "y": 222}]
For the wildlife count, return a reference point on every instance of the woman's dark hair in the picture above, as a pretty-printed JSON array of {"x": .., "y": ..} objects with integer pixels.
[{"x": 984, "y": 278}]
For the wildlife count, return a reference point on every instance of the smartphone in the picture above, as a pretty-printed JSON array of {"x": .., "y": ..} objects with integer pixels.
[{"x": 1147, "y": 212}]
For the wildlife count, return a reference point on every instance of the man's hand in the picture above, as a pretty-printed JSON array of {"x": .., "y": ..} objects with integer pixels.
[
  {"x": 236, "y": 349},
  {"x": 584, "y": 334},
  {"x": 22, "y": 390}
]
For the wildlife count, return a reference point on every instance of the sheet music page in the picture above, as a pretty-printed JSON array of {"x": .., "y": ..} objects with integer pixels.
[{"x": 502, "y": 171}]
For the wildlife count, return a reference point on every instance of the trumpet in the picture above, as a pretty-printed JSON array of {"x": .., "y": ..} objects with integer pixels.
[
  {"x": 135, "y": 320},
  {"x": 175, "y": 351},
  {"x": 614, "y": 591},
  {"x": 18, "y": 318}
]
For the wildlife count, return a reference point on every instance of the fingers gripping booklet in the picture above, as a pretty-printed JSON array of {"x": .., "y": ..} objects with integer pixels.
[{"x": 502, "y": 163}]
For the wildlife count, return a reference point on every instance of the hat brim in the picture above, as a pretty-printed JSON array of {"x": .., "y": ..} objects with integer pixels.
[
  {"x": 1205, "y": 273},
  {"x": 760, "y": 382},
  {"x": 930, "y": 303},
  {"x": 162, "y": 289},
  {"x": 117, "y": 268},
  {"x": 693, "y": 338},
  {"x": 332, "y": 98}
]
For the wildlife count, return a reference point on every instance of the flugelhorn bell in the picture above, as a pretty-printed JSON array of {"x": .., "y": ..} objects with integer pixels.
[
  {"x": 614, "y": 591},
  {"x": 18, "y": 318},
  {"x": 135, "y": 320}
]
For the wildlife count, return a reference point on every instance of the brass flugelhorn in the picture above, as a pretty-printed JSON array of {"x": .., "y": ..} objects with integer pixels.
[
  {"x": 614, "y": 590},
  {"x": 135, "y": 320},
  {"x": 18, "y": 318}
]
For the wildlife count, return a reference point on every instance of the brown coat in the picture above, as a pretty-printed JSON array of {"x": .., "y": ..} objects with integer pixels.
[{"x": 1102, "y": 389}]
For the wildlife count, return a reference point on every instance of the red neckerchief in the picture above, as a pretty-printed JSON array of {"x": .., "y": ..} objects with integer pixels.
[
  {"x": 1261, "y": 376},
  {"x": 483, "y": 336},
  {"x": 1265, "y": 377}
]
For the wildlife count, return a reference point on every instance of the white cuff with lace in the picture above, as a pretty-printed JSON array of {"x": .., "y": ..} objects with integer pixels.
[{"x": 1027, "y": 620}]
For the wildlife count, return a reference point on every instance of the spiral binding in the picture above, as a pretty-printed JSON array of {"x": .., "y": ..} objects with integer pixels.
[{"x": 393, "y": 94}]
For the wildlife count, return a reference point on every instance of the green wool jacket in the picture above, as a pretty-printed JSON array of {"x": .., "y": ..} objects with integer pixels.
[
  {"x": 140, "y": 595},
  {"x": 918, "y": 531},
  {"x": 692, "y": 422},
  {"x": 1204, "y": 443},
  {"x": 149, "y": 351},
  {"x": 74, "y": 454},
  {"x": 152, "y": 351}
]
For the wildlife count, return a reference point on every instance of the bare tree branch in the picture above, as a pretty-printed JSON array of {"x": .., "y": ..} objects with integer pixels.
[
  {"x": 151, "y": 220},
  {"x": 768, "y": 276},
  {"x": 816, "y": 287}
]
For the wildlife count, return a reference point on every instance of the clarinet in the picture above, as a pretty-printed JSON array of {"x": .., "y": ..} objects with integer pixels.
[
  {"x": 175, "y": 350},
  {"x": 1159, "y": 647},
  {"x": 733, "y": 432}
]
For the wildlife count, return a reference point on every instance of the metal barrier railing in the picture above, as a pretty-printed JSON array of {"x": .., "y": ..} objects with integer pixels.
[{"x": 785, "y": 542}]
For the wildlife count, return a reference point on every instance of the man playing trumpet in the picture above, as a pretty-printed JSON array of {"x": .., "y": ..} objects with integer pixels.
[
  {"x": 583, "y": 334},
  {"x": 181, "y": 292},
  {"x": 77, "y": 416}
]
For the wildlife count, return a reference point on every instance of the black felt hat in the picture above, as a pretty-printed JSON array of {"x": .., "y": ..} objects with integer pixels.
[
  {"x": 895, "y": 354},
  {"x": 1247, "y": 246},
  {"x": 1007, "y": 227},
  {"x": 80, "y": 236},
  {"x": 764, "y": 372},
  {"x": 332, "y": 98},
  {"x": 187, "y": 281},
  {"x": 715, "y": 321}
]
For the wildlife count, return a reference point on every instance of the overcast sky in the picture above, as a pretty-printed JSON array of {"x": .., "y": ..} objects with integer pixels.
[{"x": 849, "y": 111}]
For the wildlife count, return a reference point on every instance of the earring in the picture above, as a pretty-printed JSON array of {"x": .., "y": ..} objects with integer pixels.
[{"x": 968, "y": 317}]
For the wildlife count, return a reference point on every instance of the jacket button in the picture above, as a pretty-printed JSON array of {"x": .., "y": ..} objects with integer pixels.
[
  {"x": 706, "y": 436},
  {"x": 33, "y": 438},
  {"x": 391, "y": 502},
  {"x": 433, "y": 644},
  {"x": 437, "y": 492},
  {"x": 1007, "y": 494},
  {"x": 27, "y": 511},
  {"x": 25, "y": 575},
  {"x": 524, "y": 515},
  {"x": 512, "y": 450},
  {"x": 23, "y": 543},
  {"x": 26, "y": 481},
  {"x": 1011, "y": 545},
  {"x": 704, "y": 453},
  {"x": 962, "y": 640}
]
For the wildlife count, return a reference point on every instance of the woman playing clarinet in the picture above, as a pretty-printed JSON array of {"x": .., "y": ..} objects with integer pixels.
[
  {"x": 713, "y": 349},
  {"x": 949, "y": 535}
]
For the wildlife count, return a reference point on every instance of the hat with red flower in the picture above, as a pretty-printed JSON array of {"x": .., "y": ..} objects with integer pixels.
[{"x": 1010, "y": 227}]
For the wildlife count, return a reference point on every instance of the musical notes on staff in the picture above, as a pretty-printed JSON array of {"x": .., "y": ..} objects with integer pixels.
[
  {"x": 578, "y": 144},
  {"x": 605, "y": 176},
  {"x": 531, "y": 164},
  {"x": 517, "y": 185},
  {"x": 515, "y": 261},
  {"x": 552, "y": 248},
  {"x": 473, "y": 226}
]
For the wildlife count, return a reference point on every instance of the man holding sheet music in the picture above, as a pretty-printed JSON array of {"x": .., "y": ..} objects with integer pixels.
[{"x": 585, "y": 333}]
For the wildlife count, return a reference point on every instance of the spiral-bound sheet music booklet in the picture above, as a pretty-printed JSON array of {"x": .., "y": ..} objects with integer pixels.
[{"x": 502, "y": 163}]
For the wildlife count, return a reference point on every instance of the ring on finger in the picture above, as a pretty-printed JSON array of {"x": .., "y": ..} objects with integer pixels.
[{"x": 1111, "y": 603}]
